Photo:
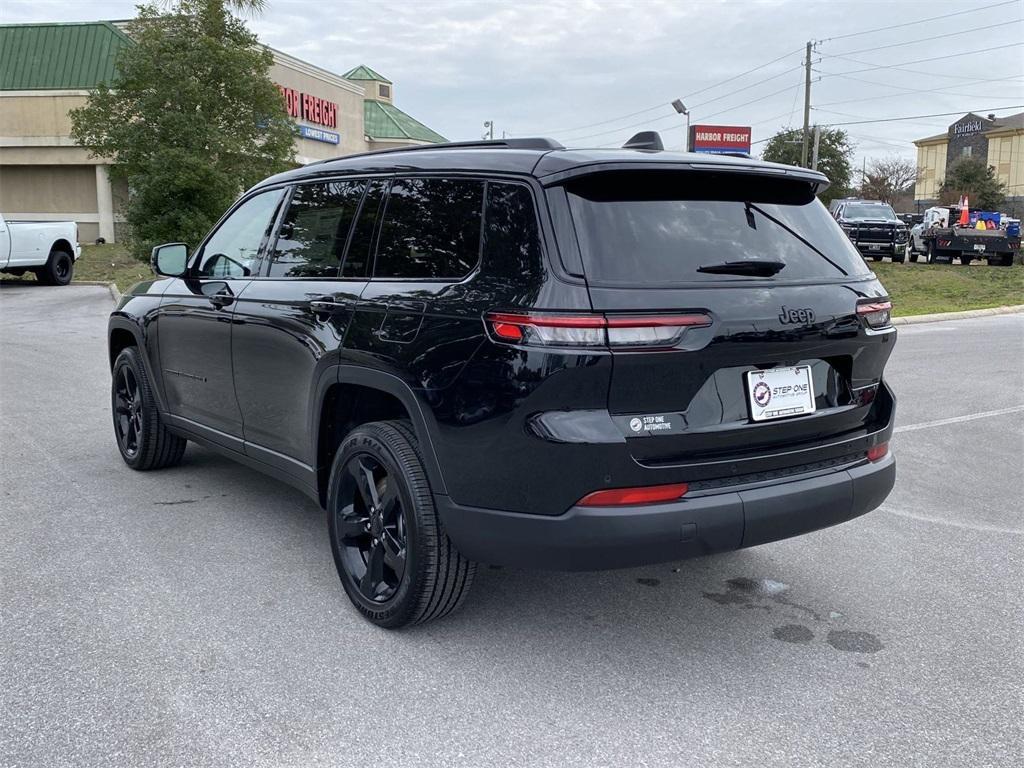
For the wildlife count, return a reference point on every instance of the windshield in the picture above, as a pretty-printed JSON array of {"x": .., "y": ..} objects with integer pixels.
[
  {"x": 868, "y": 211},
  {"x": 637, "y": 229}
]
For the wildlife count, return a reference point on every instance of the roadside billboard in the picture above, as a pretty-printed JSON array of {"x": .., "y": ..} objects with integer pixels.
[{"x": 718, "y": 139}]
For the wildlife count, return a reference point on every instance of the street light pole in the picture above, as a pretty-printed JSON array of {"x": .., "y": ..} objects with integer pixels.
[{"x": 682, "y": 110}]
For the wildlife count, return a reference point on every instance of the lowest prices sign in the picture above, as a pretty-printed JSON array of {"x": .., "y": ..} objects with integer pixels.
[{"x": 716, "y": 139}]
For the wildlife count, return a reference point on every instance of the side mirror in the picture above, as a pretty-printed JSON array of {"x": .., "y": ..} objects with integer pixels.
[{"x": 170, "y": 260}]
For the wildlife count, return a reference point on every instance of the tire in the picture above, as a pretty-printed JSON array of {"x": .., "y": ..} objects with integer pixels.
[
  {"x": 1005, "y": 260},
  {"x": 143, "y": 440},
  {"x": 965, "y": 260},
  {"x": 899, "y": 258},
  {"x": 878, "y": 256},
  {"x": 58, "y": 270},
  {"x": 913, "y": 257},
  {"x": 391, "y": 531}
]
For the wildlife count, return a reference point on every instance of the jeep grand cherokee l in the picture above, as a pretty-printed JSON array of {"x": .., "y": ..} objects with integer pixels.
[{"x": 514, "y": 353}]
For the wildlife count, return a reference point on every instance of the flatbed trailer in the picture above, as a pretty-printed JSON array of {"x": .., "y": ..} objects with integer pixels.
[{"x": 942, "y": 243}]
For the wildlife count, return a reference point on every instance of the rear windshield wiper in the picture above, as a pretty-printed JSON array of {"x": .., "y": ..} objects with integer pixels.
[
  {"x": 751, "y": 267},
  {"x": 795, "y": 234}
]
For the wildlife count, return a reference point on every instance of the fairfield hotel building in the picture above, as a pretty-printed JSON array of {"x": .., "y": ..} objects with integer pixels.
[{"x": 46, "y": 70}]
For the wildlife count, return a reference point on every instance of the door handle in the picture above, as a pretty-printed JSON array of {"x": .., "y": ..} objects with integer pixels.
[
  {"x": 221, "y": 300},
  {"x": 328, "y": 305}
]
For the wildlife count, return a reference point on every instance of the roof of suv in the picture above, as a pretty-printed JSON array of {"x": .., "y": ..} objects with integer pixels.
[{"x": 541, "y": 158}]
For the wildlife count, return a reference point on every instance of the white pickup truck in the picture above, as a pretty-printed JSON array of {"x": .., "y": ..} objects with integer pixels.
[{"x": 48, "y": 248}]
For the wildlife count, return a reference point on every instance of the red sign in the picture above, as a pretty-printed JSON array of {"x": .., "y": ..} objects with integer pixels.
[
  {"x": 312, "y": 109},
  {"x": 717, "y": 139}
]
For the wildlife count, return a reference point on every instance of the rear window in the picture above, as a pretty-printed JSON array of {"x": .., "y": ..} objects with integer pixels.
[{"x": 656, "y": 228}]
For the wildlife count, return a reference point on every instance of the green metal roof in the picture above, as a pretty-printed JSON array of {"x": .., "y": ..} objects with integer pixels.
[
  {"x": 58, "y": 56},
  {"x": 362, "y": 72},
  {"x": 383, "y": 121}
]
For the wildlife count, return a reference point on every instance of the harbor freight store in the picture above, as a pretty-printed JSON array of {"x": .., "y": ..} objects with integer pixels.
[
  {"x": 46, "y": 70},
  {"x": 999, "y": 141}
]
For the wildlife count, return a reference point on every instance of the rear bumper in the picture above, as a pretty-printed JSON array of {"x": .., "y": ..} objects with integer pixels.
[{"x": 598, "y": 538}]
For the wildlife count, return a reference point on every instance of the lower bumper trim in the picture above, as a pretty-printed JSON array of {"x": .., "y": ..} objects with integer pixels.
[{"x": 600, "y": 538}]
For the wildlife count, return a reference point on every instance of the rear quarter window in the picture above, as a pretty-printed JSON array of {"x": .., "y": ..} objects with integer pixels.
[{"x": 656, "y": 228}]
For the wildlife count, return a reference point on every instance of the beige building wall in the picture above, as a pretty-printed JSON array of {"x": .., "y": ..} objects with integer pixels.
[
  {"x": 931, "y": 165},
  {"x": 1006, "y": 155}
]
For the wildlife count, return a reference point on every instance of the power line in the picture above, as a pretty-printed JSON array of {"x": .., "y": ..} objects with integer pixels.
[
  {"x": 903, "y": 95},
  {"x": 957, "y": 33},
  {"x": 746, "y": 88},
  {"x": 980, "y": 110},
  {"x": 905, "y": 89},
  {"x": 825, "y": 74},
  {"x": 919, "y": 61},
  {"x": 746, "y": 104},
  {"x": 663, "y": 104},
  {"x": 919, "y": 21}
]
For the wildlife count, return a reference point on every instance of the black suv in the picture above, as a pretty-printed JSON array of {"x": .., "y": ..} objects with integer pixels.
[
  {"x": 514, "y": 353},
  {"x": 874, "y": 228}
]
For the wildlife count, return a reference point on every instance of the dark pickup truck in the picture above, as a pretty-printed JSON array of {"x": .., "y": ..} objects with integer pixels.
[{"x": 873, "y": 228}]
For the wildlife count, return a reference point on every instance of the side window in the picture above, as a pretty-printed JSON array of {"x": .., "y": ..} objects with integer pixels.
[
  {"x": 232, "y": 251},
  {"x": 361, "y": 248},
  {"x": 431, "y": 229},
  {"x": 311, "y": 238},
  {"x": 511, "y": 232}
]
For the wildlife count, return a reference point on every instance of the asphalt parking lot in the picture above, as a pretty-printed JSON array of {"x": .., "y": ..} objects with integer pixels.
[{"x": 193, "y": 616}]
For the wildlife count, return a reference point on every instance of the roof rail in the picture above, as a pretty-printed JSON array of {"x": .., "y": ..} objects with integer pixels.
[{"x": 525, "y": 143}]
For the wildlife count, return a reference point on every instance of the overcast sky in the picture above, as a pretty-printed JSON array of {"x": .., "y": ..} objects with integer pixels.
[{"x": 574, "y": 69}]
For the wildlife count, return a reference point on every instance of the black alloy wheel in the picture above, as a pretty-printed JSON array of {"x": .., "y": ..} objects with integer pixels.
[
  {"x": 58, "y": 270},
  {"x": 393, "y": 555},
  {"x": 127, "y": 411},
  {"x": 143, "y": 440},
  {"x": 371, "y": 528}
]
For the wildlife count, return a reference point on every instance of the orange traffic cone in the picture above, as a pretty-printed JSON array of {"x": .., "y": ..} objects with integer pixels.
[{"x": 965, "y": 213}]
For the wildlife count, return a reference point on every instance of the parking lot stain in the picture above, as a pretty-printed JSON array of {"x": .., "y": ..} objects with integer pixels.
[
  {"x": 855, "y": 642},
  {"x": 793, "y": 633},
  {"x": 172, "y": 503},
  {"x": 649, "y": 582}
]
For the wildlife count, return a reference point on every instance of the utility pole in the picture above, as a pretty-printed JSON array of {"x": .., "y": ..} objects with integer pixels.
[
  {"x": 807, "y": 104},
  {"x": 817, "y": 142}
]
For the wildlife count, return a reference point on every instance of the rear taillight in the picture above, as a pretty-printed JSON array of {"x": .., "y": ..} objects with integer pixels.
[
  {"x": 877, "y": 314},
  {"x": 651, "y": 494},
  {"x": 592, "y": 330},
  {"x": 877, "y": 452}
]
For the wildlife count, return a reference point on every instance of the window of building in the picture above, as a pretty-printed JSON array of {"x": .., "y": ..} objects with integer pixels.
[
  {"x": 233, "y": 250},
  {"x": 384, "y": 91},
  {"x": 311, "y": 239},
  {"x": 966, "y": 151},
  {"x": 431, "y": 229}
]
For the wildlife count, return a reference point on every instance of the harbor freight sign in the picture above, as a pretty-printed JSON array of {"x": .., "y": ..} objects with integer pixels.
[{"x": 719, "y": 139}]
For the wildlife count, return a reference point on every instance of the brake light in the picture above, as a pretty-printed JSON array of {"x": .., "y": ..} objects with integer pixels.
[
  {"x": 878, "y": 452},
  {"x": 593, "y": 330},
  {"x": 876, "y": 314},
  {"x": 617, "y": 497}
]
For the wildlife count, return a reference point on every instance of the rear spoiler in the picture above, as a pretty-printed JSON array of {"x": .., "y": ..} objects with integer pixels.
[{"x": 817, "y": 181}]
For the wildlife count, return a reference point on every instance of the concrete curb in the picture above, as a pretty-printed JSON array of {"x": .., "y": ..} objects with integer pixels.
[
  {"x": 114, "y": 292},
  {"x": 938, "y": 317}
]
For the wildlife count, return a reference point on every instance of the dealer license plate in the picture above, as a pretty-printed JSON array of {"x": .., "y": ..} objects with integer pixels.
[
  {"x": 780, "y": 392},
  {"x": 980, "y": 248}
]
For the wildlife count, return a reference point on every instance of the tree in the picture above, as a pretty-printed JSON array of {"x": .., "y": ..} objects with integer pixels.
[
  {"x": 888, "y": 180},
  {"x": 971, "y": 176},
  {"x": 834, "y": 154},
  {"x": 191, "y": 120}
]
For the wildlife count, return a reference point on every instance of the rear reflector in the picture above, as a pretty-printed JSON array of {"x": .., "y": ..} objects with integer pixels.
[
  {"x": 876, "y": 314},
  {"x": 617, "y": 497},
  {"x": 878, "y": 452},
  {"x": 593, "y": 330}
]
